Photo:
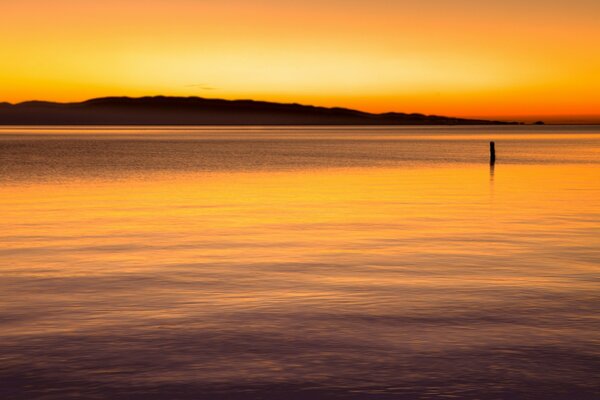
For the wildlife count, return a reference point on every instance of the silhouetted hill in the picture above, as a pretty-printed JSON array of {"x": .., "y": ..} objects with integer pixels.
[{"x": 162, "y": 110}]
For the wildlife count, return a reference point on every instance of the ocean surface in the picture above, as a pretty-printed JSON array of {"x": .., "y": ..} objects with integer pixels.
[{"x": 299, "y": 263}]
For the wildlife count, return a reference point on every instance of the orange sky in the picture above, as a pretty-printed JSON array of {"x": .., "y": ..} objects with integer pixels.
[{"x": 460, "y": 57}]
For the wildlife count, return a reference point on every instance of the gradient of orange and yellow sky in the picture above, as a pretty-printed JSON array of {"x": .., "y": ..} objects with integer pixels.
[{"x": 509, "y": 59}]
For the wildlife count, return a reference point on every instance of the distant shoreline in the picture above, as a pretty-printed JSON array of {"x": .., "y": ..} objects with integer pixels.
[
  {"x": 197, "y": 111},
  {"x": 131, "y": 125}
]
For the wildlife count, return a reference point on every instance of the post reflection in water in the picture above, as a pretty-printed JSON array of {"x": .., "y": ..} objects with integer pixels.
[{"x": 307, "y": 263}]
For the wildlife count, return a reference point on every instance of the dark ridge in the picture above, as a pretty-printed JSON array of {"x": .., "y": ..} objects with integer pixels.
[{"x": 162, "y": 110}]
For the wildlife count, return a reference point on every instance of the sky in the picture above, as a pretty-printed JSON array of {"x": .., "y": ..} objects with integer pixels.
[{"x": 503, "y": 59}]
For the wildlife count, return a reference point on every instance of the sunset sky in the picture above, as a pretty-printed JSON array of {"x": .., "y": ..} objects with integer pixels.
[{"x": 508, "y": 59}]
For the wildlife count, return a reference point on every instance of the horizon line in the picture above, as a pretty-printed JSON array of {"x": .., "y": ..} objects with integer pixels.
[{"x": 550, "y": 119}]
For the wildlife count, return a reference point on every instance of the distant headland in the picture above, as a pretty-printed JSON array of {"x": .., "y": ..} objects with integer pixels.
[{"x": 162, "y": 110}]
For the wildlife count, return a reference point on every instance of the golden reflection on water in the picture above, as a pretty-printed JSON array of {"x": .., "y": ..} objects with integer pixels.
[
  {"x": 382, "y": 223},
  {"x": 308, "y": 275}
]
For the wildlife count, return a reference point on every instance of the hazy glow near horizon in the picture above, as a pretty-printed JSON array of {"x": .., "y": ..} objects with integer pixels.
[{"x": 461, "y": 57}]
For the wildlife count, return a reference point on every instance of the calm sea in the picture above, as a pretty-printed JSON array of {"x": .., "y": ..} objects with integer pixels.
[{"x": 299, "y": 263}]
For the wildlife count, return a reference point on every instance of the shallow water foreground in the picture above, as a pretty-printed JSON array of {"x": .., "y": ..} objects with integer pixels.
[{"x": 299, "y": 263}]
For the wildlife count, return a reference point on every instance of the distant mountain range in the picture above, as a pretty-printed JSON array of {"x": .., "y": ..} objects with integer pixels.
[{"x": 161, "y": 110}]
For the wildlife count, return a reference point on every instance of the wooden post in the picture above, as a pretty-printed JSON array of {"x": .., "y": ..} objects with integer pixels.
[{"x": 492, "y": 153}]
